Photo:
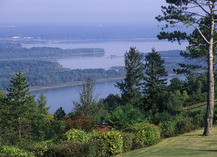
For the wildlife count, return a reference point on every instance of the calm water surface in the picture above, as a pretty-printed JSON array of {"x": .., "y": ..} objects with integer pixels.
[{"x": 64, "y": 97}]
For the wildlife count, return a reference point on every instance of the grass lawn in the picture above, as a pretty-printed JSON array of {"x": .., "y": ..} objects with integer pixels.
[{"x": 190, "y": 144}]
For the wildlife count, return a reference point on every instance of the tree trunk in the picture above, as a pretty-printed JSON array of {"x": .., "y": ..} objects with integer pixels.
[{"x": 210, "y": 94}]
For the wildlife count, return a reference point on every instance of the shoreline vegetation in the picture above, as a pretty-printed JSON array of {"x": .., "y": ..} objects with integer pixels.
[
  {"x": 17, "y": 52},
  {"x": 38, "y": 88}
]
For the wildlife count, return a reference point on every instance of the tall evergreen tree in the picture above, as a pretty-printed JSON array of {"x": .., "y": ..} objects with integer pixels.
[
  {"x": 182, "y": 13},
  {"x": 154, "y": 80},
  {"x": 131, "y": 85},
  {"x": 18, "y": 110}
]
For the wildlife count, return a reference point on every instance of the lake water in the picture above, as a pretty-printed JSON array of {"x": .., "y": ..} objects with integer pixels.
[
  {"x": 117, "y": 48},
  {"x": 64, "y": 97}
]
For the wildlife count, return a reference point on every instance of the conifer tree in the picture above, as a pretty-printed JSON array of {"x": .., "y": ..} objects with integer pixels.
[
  {"x": 154, "y": 80},
  {"x": 18, "y": 110},
  {"x": 131, "y": 85},
  {"x": 190, "y": 13}
]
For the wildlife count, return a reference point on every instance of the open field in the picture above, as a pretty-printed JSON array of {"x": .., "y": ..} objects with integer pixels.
[{"x": 190, "y": 144}]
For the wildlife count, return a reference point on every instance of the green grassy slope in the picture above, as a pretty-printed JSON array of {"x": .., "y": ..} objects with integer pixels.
[{"x": 190, "y": 144}]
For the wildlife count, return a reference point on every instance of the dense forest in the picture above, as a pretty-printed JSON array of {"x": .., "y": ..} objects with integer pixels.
[{"x": 47, "y": 73}]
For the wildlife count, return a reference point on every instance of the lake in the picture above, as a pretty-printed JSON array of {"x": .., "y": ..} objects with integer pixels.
[
  {"x": 117, "y": 48},
  {"x": 64, "y": 97}
]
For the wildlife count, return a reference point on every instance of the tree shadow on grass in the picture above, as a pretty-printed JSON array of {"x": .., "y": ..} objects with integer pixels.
[
  {"x": 208, "y": 150},
  {"x": 194, "y": 135}
]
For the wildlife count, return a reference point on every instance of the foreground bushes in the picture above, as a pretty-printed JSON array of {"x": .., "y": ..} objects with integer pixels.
[
  {"x": 13, "y": 152},
  {"x": 77, "y": 142},
  {"x": 101, "y": 144},
  {"x": 172, "y": 125},
  {"x": 144, "y": 134}
]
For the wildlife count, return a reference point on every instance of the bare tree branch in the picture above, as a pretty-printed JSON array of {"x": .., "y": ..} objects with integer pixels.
[
  {"x": 201, "y": 7},
  {"x": 200, "y": 33}
]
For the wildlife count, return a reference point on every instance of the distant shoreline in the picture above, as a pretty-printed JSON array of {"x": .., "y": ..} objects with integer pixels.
[
  {"x": 70, "y": 84},
  {"x": 37, "y": 88}
]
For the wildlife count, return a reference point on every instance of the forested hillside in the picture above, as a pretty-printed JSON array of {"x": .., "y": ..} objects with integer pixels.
[
  {"x": 46, "y": 73},
  {"x": 16, "y": 51}
]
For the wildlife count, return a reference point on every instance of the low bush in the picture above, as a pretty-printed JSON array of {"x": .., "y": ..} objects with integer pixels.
[
  {"x": 38, "y": 148},
  {"x": 184, "y": 124},
  {"x": 11, "y": 151},
  {"x": 144, "y": 134},
  {"x": 76, "y": 135},
  {"x": 98, "y": 145},
  {"x": 113, "y": 141},
  {"x": 168, "y": 128},
  {"x": 127, "y": 141},
  {"x": 68, "y": 149}
]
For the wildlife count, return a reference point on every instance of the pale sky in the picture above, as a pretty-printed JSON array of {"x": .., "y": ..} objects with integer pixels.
[{"x": 72, "y": 11}]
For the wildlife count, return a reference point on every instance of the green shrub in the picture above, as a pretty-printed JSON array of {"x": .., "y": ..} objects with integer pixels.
[
  {"x": 76, "y": 136},
  {"x": 11, "y": 151},
  {"x": 68, "y": 149},
  {"x": 168, "y": 128},
  {"x": 198, "y": 119},
  {"x": 144, "y": 134},
  {"x": 38, "y": 148},
  {"x": 127, "y": 141},
  {"x": 125, "y": 115},
  {"x": 98, "y": 145},
  {"x": 184, "y": 124},
  {"x": 113, "y": 141}
]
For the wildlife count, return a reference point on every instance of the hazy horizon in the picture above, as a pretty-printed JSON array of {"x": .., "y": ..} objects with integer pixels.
[{"x": 83, "y": 11}]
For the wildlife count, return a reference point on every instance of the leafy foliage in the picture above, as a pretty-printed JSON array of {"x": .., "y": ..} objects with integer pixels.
[
  {"x": 123, "y": 116},
  {"x": 144, "y": 134}
]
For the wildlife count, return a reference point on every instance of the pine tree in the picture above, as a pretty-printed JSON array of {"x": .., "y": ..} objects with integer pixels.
[
  {"x": 154, "y": 80},
  {"x": 180, "y": 13},
  {"x": 18, "y": 110},
  {"x": 131, "y": 85}
]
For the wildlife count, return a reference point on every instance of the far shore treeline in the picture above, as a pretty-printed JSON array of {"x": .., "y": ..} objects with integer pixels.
[{"x": 44, "y": 73}]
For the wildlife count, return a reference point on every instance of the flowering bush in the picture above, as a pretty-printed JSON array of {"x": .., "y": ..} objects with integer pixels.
[{"x": 78, "y": 122}]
